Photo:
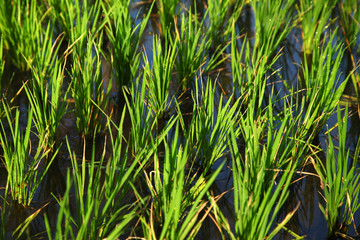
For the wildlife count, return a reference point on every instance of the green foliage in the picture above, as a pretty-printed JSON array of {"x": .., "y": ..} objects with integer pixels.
[
  {"x": 314, "y": 16},
  {"x": 159, "y": 76},
  {"x": 257, "y": 199},
  {"x": 217, "y": 11},
  {"x": 340, "y": 182},
  {"x": 177, "y": 200},
  {"x": 193, "y": 45},
  {"x": 77, "y": 20},
  {"x": 88, "y": 88},
  {"x": 167, "y": 12},
  {"x": 210, "y": 126},
  {"x": 125, "y": 40},
  {"x": 273, "y": 22},
  {"x": 142, "y": 121},
  {"x": 323, "y": 90},
  {"x": 22, "y": 165},
  {"x": 19, "y": 20},
  {"x": 44, "y": 91}
]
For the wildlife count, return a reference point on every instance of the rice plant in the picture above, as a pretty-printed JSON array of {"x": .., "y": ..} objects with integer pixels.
[
  {"x": 159, "y": 76},
  {"x": 314, "y": 17},
  {"x": 21, "y": 162},
  {"x": 177, "y": 200},
  {"x": 193, "y": 45},
  {"x": 77, "y": 20},
  {"x": 88, "y": 87},
  {"x": 273, "y": 22},
  {"x": 100, "y": 190},
  {"x": 340, "y": 182},
  {"x": 257, "y": 199},
  {"x": 142, "y": 122},
  {"x": 167, "y": 12},
  {"x": 19, "y": 20},
  {"x": 217, "y": 11},
  {"x": 349, "y": 19},
  {"x": 44, "y": 91},
  {"x": 322, "y": 81},
  {"x": 210, "y": 127},
  {"x": 124, "y": 37}
]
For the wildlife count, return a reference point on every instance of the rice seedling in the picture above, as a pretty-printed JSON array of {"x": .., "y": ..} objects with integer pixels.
[
  {"x": 77, "y": 20},
  {"x": 23, "y": 168},
  {"x": 99, "y": 195},
  {"x": 349, "y": 19},
  {"x": 217, "y": 11},
  {"x": 19, "y": 20},
  {"x": 340, "y": 182},
  {"x": 323, "y": 89},
  {"x": 124, "y": 37},
  {"x": 142, "y": 122},
  {"x": 159, "y": 77},
  {"x": 167, "y": 12},
  {"x": 88, "y": 87},
  {"x": 311, "y": 12},
  {"x": 102, "y": 191},
  {"x": 177, "y": 200},
  {"x": 250, "y": 75},
  {"x": 45, "y": 90},
  {"x": 273, "y": 22},
  {"x": 193, "y": 45},
  {"x": 256, "y": 199},
  {"x": 211, "y": 126}
]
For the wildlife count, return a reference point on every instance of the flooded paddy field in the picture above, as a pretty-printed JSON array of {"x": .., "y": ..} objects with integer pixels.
[{"x": 176, "y": 119}]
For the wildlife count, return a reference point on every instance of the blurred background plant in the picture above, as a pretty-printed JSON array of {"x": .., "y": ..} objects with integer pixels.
[{"x": 167, "y": 10}]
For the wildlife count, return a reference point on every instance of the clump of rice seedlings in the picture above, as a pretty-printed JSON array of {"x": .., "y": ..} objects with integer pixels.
[
  {"x": 104, "y": 202},
  {"x": 19, "y": 20},
  {"x": 349, "y": 19},
  {"x": 159, "y": 76},
  {"x": 273, "y": 22},
  {"x": 210, "y": 126},
  {"x": 45, "y": 90},
  {"x": 142, "y": 121},
  {"x": 21, "y": 162},
  {"x": 88, "y": 88},
  {"x": 167, "y": 12},
  {"x": 313, "y": 16},
  {"x": 193, "y": 46},
  {"x": 340, "y": 181},
  {"x": 217, "y": 11},
  {"x": 177, "y": 197},
  {"x": 323, "y": 90},
  {"x": 124, "y": 37},
  {"x": 250, "y": 71},
  {"x": 100, "y": 190},
  {"x": 77, "y": 19},
  {"x": 257, "y": 198}
]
